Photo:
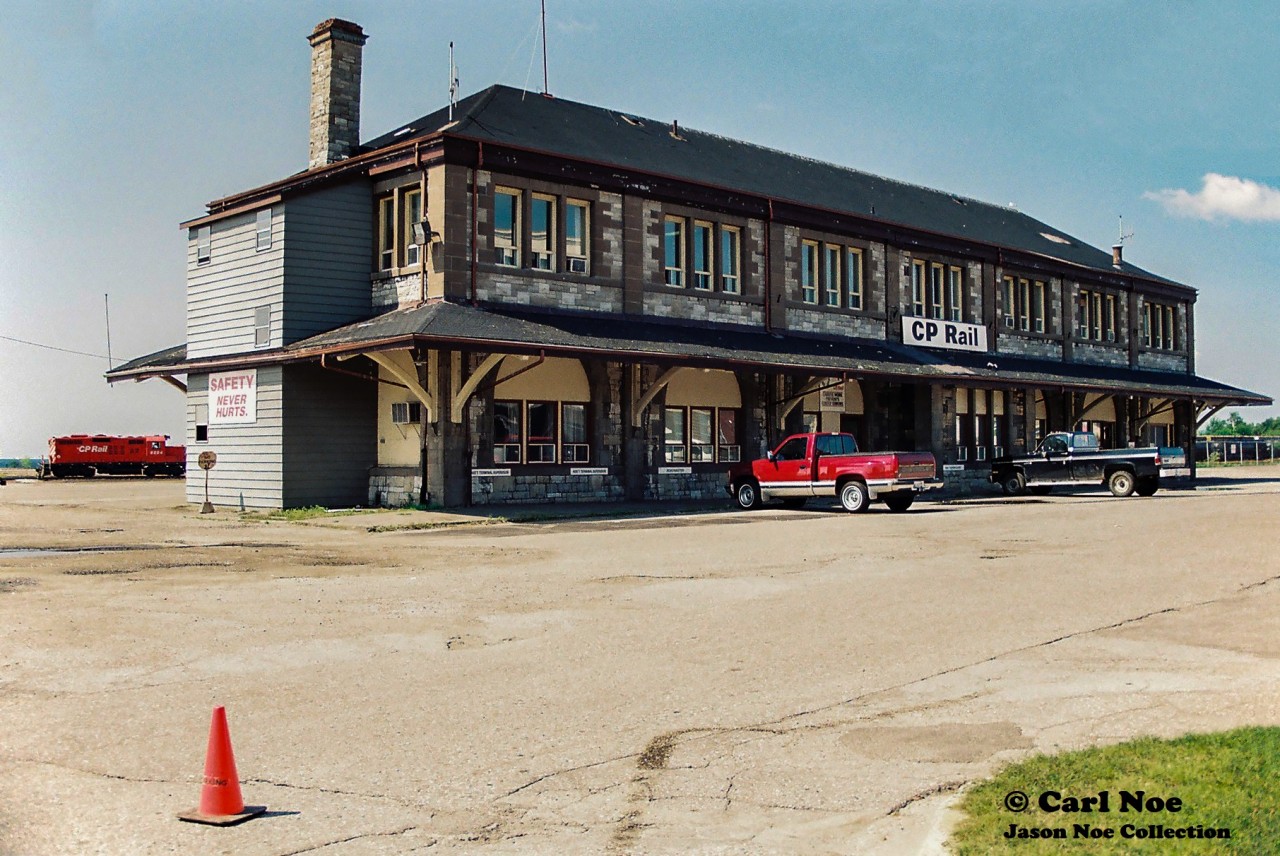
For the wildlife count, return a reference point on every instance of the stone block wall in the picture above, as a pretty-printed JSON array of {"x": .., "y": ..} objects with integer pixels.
[{"x": 394, "y": 487}]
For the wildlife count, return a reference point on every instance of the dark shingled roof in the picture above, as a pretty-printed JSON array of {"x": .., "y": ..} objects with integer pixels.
[
  {"x": 501, "y": 328},
  {"x": 509, "y": 116}
]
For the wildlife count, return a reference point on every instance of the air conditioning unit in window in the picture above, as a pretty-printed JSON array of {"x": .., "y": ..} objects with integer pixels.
[
  {"x": 577, "y": 265},
  {"x": 505, "y": 256},
  {"x": 406, "y": 413}
]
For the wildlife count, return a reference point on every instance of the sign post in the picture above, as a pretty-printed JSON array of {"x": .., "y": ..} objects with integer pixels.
[{"x": 206, "y": 462}]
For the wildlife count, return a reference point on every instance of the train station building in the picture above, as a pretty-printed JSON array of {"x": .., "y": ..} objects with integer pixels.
[{"x": 520, "y": 298}]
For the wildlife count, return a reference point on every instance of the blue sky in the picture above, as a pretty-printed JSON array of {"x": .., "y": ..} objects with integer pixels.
[{"x": 124, "y": 118}]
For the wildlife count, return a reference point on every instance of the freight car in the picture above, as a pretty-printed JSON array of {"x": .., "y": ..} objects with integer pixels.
[{"x": 88, "y": 455}]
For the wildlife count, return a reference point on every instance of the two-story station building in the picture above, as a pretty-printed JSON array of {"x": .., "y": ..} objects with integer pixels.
[{"x": 521, "y": 298}]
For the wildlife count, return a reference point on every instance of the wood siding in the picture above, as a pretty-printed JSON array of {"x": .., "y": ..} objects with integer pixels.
[
  {"x": 224, "y": 292},
  {"x": 249, "y": 456},
  {"x": 328, "y": 257}
]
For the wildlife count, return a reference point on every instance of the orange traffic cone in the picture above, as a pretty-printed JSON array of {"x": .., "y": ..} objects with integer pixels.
[{"x": 220, "y": 800}]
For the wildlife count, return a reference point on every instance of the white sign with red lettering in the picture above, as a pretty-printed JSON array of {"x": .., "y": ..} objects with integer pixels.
[{"x": 233, "y": 397}]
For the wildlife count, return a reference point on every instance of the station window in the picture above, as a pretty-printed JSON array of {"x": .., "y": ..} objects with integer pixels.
[
  {"x": 809, "y": 271},
  {"x": 262, "y": 230},
  {"x": 700, "y": 435},
  {"x": 730, "y": 242},
  {"x": 540, "y": 432},
  {"x": 853, "y": 277},
  {"x": 542, "y": 233},
  {"x": 577, "y": 230},
  {"x": 1096, "y": 316},
  {"x": 204, "y": 244},
  {"x": 1158, "y": 326},
  {"x": 506, "y": 227},
  {"x": 831, "y": 281},
  {"x": 1023, "y": 304},
  {"x": 397, "y": 213},
  {"x": 673, "y": 251},
  {"x": 406, "y": 412},
  {"x": 703, "y": 253},
  {"x": 262, "y": 327},
  {"x": 201, "y": 419},
  {"x": 937, "y": 290}
]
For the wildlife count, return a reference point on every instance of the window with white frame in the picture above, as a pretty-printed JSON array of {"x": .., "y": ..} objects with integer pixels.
[
  {"x": 831, "y": 282},
  {"x": 853, "y": 277},
  {"x": 1023, "y": 304},
  {"x": 412, "y": 215},
  {"x": 540, "y": 432},
  {"x": 1159, "y": 326},
  {"x": 506, "y": 227},
  {"x": 406, "y": 412},
  {"x": 577, "y": 229},
  {"x": 809, "y": 271},
  {"x": 673, "y": 250},
  {"x": 201, "y": 419},
  {"x": 387, "y": 232},
  {"x": 262, "y": 230},
  {"x": 542, "y": 232},
  {"x": 1096, "y": 316},
  {"x": 730, "y": 253},
  {"x": 955, "y": 294},
  {"x": 703, "y": 254},
  {"x": 918, "y": 289},
  {"x": 204, "y": 244},
  {"x": 262, "y": 327},
  {"x": 700, "y": 435},
  {"x": 937, "y": 290}
]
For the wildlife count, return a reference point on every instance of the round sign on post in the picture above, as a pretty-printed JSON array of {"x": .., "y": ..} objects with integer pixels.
[{"x": 206, "y": 462}]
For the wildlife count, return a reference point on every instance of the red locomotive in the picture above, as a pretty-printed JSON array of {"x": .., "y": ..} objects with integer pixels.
[{"x": 88, "y": 455}]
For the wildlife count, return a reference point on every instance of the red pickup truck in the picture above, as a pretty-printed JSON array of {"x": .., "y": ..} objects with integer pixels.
[{"x": 809, "y": 465}]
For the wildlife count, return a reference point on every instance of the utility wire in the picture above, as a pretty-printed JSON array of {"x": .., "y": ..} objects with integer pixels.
[{"x": 52, "y": 347}]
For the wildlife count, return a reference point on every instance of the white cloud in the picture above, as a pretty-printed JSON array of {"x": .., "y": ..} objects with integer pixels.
[
  {"x": 573, "y": 26},
  {"x": 1222, "y": 196}
]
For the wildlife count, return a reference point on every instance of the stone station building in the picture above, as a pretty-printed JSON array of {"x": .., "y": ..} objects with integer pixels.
[{"x": 520, "y": 298}]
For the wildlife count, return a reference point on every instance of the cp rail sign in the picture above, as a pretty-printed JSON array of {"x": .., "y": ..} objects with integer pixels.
[{"x": 936, "y": 333}]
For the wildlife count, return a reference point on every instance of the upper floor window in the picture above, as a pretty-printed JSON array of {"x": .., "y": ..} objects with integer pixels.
[
  {"x": 577, "y": 225},
  {"x": 1023, "y": 304},
  {"x": 386, "y": 233},
  {"x": 730, "y": 241},
  {"x": 853, "y": 277},
  {"x": 262, "y": 327},
  {"x": 412, "y": 208},
  {"x": 204, "y": 244},
  {"x": 809, "y": 271},
  {"x": 542, "y": 232},
  {"x": 506, "y": 227},
  {"x": 937, "y": 290},
  {"x": 831, "y": 281},
  {"x": 1096, "y": 317},
  {"x": 703, "y": 253},
  {"x": 1158, "y": 326},
  {"x": 263, "y": 230},
  {"x": 673, "y": 250}
]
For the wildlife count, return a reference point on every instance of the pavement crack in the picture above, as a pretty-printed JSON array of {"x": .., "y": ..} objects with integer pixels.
[
  {"x": 334, "y": 792},
  {"x": 391, "y": 833},
  {"x": 566, "y": 771},
  {"x": 940, "y": 788},
  {"x": 88, "y": 772}
]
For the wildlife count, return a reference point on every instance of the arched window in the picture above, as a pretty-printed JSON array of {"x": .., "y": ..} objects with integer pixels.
[
  {"x": 540, "y": 414},
  {"x": 701, "y": 416}
]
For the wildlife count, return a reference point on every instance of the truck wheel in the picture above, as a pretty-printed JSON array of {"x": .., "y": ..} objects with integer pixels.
[
  {"x": 854, "y": 497},
  {"x": 747, "y": 495},
  {"x": 1148, "y": 486},
  {"x": 899, "y": 501},
  {"x": 794, "y": 502},
  {"x": 1121, "y": 483},
  {"x": 1013, "y": 484}
]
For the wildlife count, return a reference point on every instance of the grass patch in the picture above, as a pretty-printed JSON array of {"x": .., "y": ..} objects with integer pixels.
[
  {"x": 307, "y": 512},
  {"x": 1225, "y": 780},
  {"x": 438, "y": 524}
]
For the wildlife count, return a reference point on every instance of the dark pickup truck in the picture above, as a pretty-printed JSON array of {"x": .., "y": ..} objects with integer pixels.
[{"x": 1074, "y": 458}]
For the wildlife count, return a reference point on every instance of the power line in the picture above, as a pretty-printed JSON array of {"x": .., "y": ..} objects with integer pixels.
[{"x": 52, "y": 347}]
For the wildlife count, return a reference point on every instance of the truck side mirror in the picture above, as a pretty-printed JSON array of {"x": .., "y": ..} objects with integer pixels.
[{"x": 773, "y": 459}]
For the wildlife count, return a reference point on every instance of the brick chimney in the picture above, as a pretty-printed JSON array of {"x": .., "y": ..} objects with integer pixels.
[
  {"x": 336, "y": 49},
  {"x": 1117, "y": 254}
]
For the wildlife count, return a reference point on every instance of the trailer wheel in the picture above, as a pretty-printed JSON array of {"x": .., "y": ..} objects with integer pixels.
[
  {"x": 1013, "y": 483},
  {"x": 747, "y": 495},
  {"x": 1147, "y": 486},
  {"x": 899, "y": 501},
  {"x": 1121, "y": 483},
  {"x": 854, "y": 497}
]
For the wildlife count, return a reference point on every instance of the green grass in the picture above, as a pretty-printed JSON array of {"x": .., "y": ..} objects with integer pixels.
[
  {"x": 307, "y": 512},
  {"x": 437, "y": 524},
  {"x": 1226, "y": 780}
]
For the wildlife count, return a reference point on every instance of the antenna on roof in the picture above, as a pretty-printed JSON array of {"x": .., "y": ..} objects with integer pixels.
[
  {"x": 106, "y": 305},
  {"x": 1123, "y": 235},
  {"x": 453, "y": 83},
  {"x": 545, "y": 90}
]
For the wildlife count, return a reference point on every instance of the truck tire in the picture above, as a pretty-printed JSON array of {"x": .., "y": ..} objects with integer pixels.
[
  {"x": 1121, "y": 483},
  {"x": 854, "y": 497},
  {"x": 899, "y": 502},
  {"x": 794, "y": 502},
  {"x": 1148, "y": 486},
  {"x": 1013, "y": 484},
  {"x": 747, "y": 495}
]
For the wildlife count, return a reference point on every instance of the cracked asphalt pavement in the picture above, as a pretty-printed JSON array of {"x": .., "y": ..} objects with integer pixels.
[{"x": 720, "y": 682}]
